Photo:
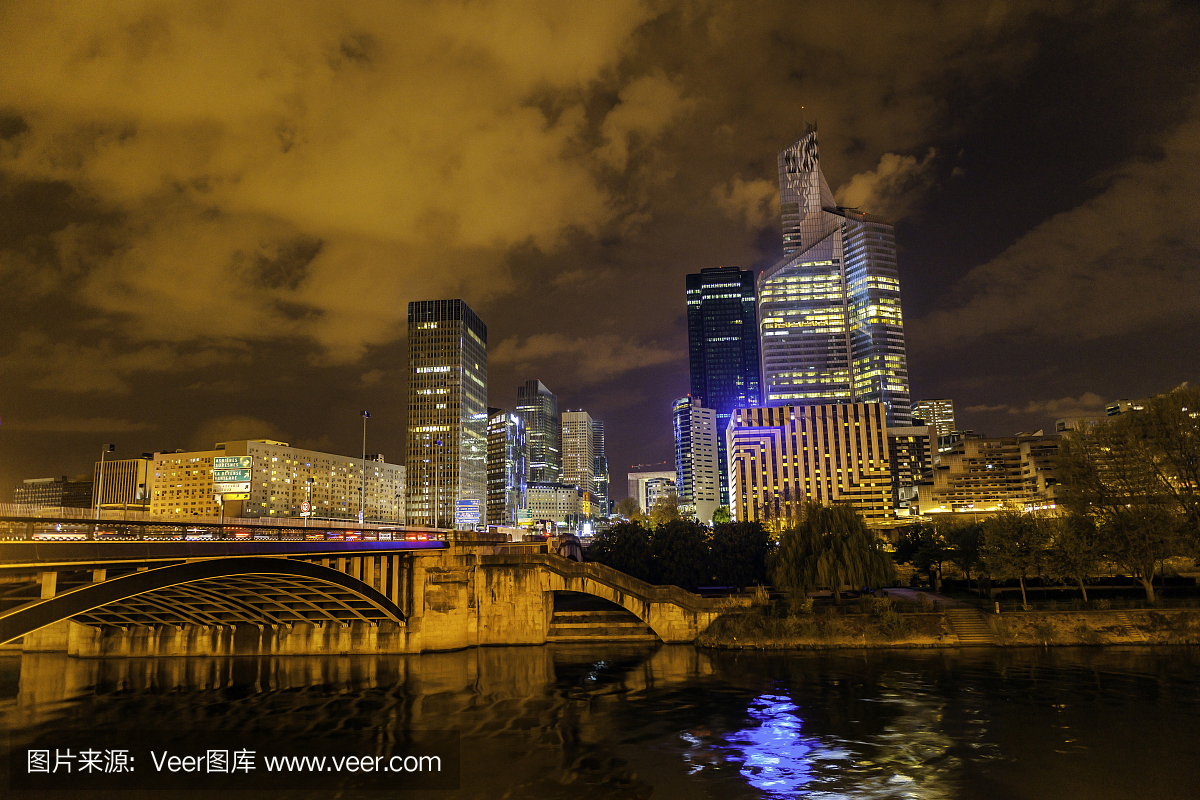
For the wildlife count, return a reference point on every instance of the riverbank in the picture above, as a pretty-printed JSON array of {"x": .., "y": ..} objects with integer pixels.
[{"x": 758, "y": 629}]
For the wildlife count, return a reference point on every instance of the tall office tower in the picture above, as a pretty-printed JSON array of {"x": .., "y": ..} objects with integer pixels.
[
  {"x": 696, "y": 456},
  {"x": 723, "y": 348},
  {"x": 829, "y": 312},
  {"x": 538, "y": 406},
  {"x": 507, "y": 467},
  {"x": 447, "y": 410},
  {"x": 937, "y": 413},
  {"x": 578, "y": 450},
  {"x": 782, "y": 457},
  {"x": 600, "y": 461}
]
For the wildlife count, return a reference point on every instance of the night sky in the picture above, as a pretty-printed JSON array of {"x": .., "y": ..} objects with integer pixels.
[{"x": 213, "y": 215}]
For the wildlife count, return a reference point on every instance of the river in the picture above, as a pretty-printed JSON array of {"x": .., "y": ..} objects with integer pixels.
[{"x": 593, "y": 721}]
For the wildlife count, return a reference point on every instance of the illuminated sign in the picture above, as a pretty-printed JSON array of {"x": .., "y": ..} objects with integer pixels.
[
  {"x": 231, "y": 462},
  {"x": 466, "y": 512},
  {"x": 237, "y": 496},
  {"x": 231, "y": 475}
]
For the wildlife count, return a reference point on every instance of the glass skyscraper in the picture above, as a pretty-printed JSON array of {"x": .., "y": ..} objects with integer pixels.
[
  {"x": 538, "y": 406},
  {"x": 447, "y": 410},
  {"x": 723, "y": 348},
  {"x": 829, "y": 313}
]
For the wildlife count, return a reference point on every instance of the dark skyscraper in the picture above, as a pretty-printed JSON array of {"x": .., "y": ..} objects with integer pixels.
[
  {"x": 538, "y": 407},
  {"x": 447, "y": 410},
  {"x": 829, "y": 312},
  {"x": 723, "y": 348}
]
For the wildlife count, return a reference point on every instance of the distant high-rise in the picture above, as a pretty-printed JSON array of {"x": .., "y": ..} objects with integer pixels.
[
  {"x": 578, "y": 450},
  {"x": 723, "y": 348},
  {"x": 696, "y": 456},
  {"x": 507, "y": 467},
  {"x": 447, "y": 410},
  {"x": 937, "y": 413},
  {"x": 600, "y": 469},
  {"x": 829, "y": 313},
  {"x": 538, "y": 406}
]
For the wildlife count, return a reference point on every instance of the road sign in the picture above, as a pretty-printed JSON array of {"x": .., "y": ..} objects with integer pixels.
[
  {"x": 236, "y": 496},
  {"x": 524, "y": 515},
  {"x": 466, "y": 512},
  {"x": 226, "y": 488},
  {"x": 231, "y": 462},
  {"x": 306, "y": 509},
  {"x": 231, "y": 475}
]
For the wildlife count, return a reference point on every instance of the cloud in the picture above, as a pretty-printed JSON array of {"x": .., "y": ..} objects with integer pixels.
[
  {"x": 646, "y": 107},
  {"x": 1087, "y": 404},
  {"x": 893, "y": 188},
  {"x": 756, "y": 202},
  {"x": 58, "y": 424},
  {"x": 584, "y": 361},
  {"x": 1123, "y": 262}
]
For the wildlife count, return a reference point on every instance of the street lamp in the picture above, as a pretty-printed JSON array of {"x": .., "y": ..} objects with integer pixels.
[
  {"x": 104, "y": 450},
  {"x": 362, "y": 502}
]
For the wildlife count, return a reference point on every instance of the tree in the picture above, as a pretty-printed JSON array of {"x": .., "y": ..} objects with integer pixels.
[
  {"x": 629, "y": 509},
  {"x": 1108, "y": 474},
  {"x": 831, "y": 547},
  {"x": 666, "y": 509},
  {"x": 966, "y": 549},
  {"x": 740, "y": 553},
  {"x": 1167, "y": 440},
  {"x": 1074, "y": 553},
  {"x": 1014, "y": 545},
  {"x": 679, "y": 550},
  {"x": 721, "y": 515},
  {"x": 624, "y": 547},
  {"x": 926, "y": 548}
]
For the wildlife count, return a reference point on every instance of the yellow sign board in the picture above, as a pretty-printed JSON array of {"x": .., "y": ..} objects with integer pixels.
[{"x": 237, "y": 496}]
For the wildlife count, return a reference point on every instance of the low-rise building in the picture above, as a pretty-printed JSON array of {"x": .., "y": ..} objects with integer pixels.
[
  {"x": 557, "y": 502},
  {"x": 125, "y": 483},
  {"x": 60, "y": 492},
  {"x": 639, "y": 485},
  {"x": 989, "y": 474},
  {"x": 785, "y": 456},
  {"x": 910, "y": 453},
  {"x": 281, "y": 479}
]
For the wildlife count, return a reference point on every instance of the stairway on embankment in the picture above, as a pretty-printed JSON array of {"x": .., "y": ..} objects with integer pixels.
[
  {"x": 581, "y": 618},
  {"x": 970, "y": 626}
]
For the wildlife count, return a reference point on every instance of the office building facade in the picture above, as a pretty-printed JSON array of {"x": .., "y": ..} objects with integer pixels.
[
  {"x": 281, "y": 479},
  {"x": 558, "y": 503},
  {"x": 126, "y": 483},
  {"x": 507, "y": 467},
  {"x": 782, "y": 457},
  {"x": 910, "y": 451},
  {"x": 723, "y": 348},
  {"x": 638, "y": 483},
  {"x": 578, "y": 450},
  {"x": 538, "y": 406},
  {"x": 988, "y": 474},
  {"x": 60, "y": 492},
  {"x": 829, "y": 315},
  {"x": 938, "y": 413},
  {"x": 696, "y": 457},
  {"x": 447, "y": 411}
]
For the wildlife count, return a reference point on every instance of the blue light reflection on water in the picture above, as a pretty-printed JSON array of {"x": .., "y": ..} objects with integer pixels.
[{"x": 774, "y": 755}]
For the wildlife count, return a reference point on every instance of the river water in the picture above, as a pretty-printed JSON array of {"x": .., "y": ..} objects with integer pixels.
[{"x": 599, "y": 721}]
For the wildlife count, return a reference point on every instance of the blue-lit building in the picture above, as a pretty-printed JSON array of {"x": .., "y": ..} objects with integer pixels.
[
  {"x": 723, "y": 348},
  {"x": 829, "y": 314}
]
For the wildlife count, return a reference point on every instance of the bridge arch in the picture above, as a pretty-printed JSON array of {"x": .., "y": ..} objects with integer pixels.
[{"x": 221, "y": 592}]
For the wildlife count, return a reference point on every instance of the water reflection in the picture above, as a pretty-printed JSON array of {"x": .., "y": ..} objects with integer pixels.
[{"x": 600, "y": 721}]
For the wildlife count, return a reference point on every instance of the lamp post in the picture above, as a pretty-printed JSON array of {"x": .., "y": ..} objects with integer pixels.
[
  {"x": 104, "y": 450},
  {"x": 362, "y": 501}
]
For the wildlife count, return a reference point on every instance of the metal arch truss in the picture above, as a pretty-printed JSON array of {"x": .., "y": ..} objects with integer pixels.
[{"x": 219, "y": 592}]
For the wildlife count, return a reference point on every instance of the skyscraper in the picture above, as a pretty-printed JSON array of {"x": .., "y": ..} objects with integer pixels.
[
  {"x": 447, "y": 410},
  {"x": 578, "y": 450},
  {"x": 538, "y": 406},
  {"x": 829, "y": 312},
  {"x": 723, "y": 348},
  {"x": 507, "y": 467},
  {"x": 600, "y": 459},
  {"x": 696, "y": 456},
  {"x": 937, "y": 413}
]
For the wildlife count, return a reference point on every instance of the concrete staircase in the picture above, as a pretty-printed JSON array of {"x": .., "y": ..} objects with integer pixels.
[
  {"x": 1129, "y": 630},
  {"x": 598, "y": 626},
  {"x": 970, "y": 626}
]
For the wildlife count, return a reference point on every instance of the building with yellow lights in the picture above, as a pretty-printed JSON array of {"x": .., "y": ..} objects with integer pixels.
[
  {"x": 281, "y": 479},
  {"x": 988, "y": 474},
  {"x": 784, "y": 456}
]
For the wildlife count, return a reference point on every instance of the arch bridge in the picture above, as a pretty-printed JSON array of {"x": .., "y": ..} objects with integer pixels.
[{"x": 99, "y": 598}]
